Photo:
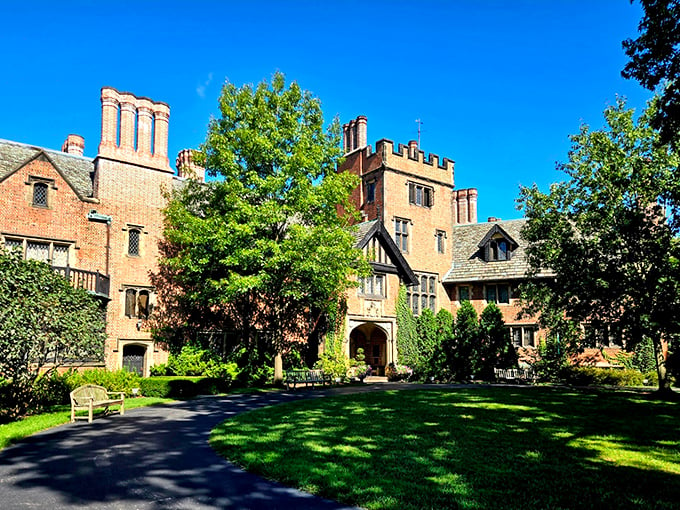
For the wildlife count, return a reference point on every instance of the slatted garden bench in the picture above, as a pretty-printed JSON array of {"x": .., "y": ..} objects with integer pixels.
[
  {"x": 306, "y": 376},
  {"x": 90, "y": 396},
  {"x": 515, "y": 374}
]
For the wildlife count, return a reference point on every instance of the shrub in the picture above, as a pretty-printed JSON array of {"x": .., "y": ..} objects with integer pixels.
[
  {"x": 116, "y": 380},
  {"x": 593, "y": 376},
  {"x": 194, "y": 361},
  {"x": 53, "y": 389},
  {"x": 398, "y": 372},
  {"x": 552, "y": 359},
  {"x": 183, "y": 387}
]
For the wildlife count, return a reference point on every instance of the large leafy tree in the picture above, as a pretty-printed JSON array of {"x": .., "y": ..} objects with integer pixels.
[
  {"x": 261, "y": 248},
  {"x": 43, "y": 322},
  {"x": 606, "y": 236},
  {"x": 655, "y": 61}
]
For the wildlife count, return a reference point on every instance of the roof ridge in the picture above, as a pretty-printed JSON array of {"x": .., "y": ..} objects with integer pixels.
[{"x": 45, "y": 149}]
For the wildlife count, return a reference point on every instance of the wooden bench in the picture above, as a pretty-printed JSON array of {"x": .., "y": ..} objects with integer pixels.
[
  {"x": 515, "y": 374},
  {"x": 89, "y": 396},
  {"x": 306, "y": 376}
]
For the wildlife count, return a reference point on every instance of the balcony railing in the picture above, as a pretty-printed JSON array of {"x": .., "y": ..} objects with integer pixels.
[{"x": 92, "y": 281}]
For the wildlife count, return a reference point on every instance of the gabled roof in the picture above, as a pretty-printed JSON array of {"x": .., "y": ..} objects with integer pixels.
[
  {"x": 497, "y": 229},
  {"x": 468, "y": 264},
  {"x": 76, "y": 170},
  {"x": 375, "y": 229}
]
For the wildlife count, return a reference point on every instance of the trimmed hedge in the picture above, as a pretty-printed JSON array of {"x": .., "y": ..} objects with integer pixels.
[
  {"x": 593, "y": 376},
  {"x": 182, "y": 387}
]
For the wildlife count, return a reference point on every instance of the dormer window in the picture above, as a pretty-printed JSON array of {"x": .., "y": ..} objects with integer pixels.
[
  {"x": 499, "y": 250},
  {"x": 497, "y": 245}
]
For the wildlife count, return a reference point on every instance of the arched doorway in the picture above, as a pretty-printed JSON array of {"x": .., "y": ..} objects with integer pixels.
[
  {"x": 373, "y": 340},
  {"x": 134, "y": 359}
]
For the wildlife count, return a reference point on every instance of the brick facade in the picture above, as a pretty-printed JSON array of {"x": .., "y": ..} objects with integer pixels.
[
  {"x": 413, "y": 195},
  {"x": 106, "y": 212}
]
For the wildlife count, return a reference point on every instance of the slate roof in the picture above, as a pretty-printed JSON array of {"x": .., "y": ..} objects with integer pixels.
[
  {"x": 468, "y": 264},
  {"x": 76, "y": 170},
  {"x": 361, "y": 232}
]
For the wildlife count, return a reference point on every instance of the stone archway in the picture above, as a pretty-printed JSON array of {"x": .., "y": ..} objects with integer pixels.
[
  {"x": 373, "y": 339},
  {"x": 134, "y": 358}
]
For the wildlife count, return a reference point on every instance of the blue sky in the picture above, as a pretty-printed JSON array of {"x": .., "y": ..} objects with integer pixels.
[{"x": 498, "y": 85}]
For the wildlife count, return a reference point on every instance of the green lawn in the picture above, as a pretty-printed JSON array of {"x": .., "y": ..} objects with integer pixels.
[
  {"x": 500, "y": 448},
  {"x": 12, "y": 432}
]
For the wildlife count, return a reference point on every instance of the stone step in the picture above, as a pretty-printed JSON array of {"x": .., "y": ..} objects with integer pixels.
[{"x": 375, "y": 379}]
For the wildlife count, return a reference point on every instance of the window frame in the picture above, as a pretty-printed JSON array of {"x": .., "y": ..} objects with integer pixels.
[
  {"x": 424, "y": 294},
  {"x": 521, "y": 332},
  {"x": 460, "y": 293},
  {"x": 133, "y": 302},
  {"x": 137, "y": 231},
  {"x": 420, "y": 195},
  {"x": 21, "y": 245},
  {"x": 44, "y": 183},
  {"x": 496, "y": 298},
  {"x": 401, "y": 236},
  {"x": 369, "y": 284},
  {"x": 440, "y": 241},
  {"x": 370, "y": 191},
  {"x": 44, "y": 202}
]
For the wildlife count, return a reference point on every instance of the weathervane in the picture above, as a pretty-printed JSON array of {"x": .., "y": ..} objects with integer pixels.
[{"x": 420, "y": 123}]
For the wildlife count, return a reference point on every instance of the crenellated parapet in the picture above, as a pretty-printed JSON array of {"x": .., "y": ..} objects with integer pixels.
[
  {"x": 406, "y": 158},
  {"x": 134, "y": 129}
]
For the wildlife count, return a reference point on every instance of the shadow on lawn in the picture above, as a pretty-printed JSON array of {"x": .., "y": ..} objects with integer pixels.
[
  {"x": 477, "y": 449},
  {"x": 154, "y": 457}
]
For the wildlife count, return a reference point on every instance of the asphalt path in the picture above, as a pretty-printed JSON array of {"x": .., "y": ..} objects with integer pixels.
[{"x": 154, "y": 457}]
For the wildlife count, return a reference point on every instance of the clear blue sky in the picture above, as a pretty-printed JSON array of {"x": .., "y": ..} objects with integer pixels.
[{"x": 499, "y": 85}]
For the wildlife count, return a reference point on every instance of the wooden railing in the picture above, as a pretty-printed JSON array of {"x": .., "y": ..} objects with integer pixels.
[{"x": 93, "y": 281}]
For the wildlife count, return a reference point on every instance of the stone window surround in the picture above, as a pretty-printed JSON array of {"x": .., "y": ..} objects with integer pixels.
[
  {"x": 50, "y": 185},
  {"x": 129, "y": 227}
]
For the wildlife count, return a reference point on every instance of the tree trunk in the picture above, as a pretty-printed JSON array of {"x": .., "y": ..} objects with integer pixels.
[
  {"x": 278, "y": 369},
  {"x": 664, "y": 383}
]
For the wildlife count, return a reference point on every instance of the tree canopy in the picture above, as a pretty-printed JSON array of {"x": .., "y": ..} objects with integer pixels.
[
  {"x": 261, "y": 248},
  {"x": 608, "y": 235},
  {"x": 655, "y": 62},
  {"x": 44, "y": 321}
]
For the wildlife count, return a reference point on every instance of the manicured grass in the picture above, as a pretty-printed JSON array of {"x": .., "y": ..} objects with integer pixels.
[
  {"x": 501, "y": 448},
  {"x": 12, "y": 432}
]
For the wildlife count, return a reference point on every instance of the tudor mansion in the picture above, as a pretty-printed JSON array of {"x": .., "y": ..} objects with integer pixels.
[{"x": 98, "y": 221}]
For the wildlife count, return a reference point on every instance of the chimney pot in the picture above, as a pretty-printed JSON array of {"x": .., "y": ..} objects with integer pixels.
[
  {"x": 413, "y": 149},
  {"x": 74, "y": 144},
  {"x": 186, "y": 168}
]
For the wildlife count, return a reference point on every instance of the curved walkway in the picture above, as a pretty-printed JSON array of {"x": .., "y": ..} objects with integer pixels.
[{"x": 154, "y": 457}]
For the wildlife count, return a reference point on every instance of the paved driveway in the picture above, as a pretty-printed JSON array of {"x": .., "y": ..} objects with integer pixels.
[{"x": 153, "y": 457}]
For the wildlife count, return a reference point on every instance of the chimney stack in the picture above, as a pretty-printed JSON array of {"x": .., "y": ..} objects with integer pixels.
[
  {"x": 74, "y": 144},
  {"x": 141, "y": 136},
  {"x": 355, "y": 134},
  {"x": 472, "y": 205},
  {"x": 413, "y": 149},
  {"x": 186, "y": 168}
]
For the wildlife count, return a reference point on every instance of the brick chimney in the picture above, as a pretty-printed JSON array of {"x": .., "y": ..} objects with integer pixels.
[
  {"x": 141, "y": 137},
  {"x": 74, "y": 144},
  {"x": 355, "y": 134},
  {"x": 413, "y": 149},
  {"x": 186, "y": 168},
  {"x": 472, "y": 205}
]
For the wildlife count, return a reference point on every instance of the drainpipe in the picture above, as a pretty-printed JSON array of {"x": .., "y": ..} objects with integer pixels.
[{"x": 103, "y": 218}]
